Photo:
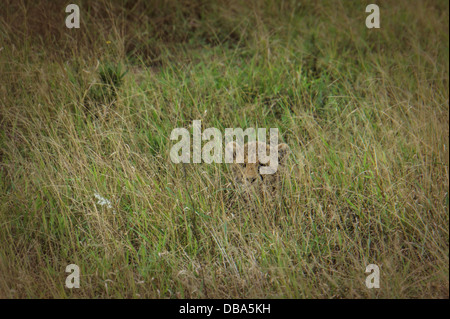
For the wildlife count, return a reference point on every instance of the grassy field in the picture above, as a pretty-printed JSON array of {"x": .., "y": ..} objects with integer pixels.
[{"x": 87, "y": 114}]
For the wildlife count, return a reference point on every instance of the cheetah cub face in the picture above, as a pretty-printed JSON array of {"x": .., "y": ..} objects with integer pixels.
[{"x": 252, "y": 175}]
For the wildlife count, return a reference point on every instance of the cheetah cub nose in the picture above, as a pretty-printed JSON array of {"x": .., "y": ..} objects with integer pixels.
[{"x": 251, "y": 179}]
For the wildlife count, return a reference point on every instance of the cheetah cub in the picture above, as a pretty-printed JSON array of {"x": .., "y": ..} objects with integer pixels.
[{"x": 251, "y": 175}]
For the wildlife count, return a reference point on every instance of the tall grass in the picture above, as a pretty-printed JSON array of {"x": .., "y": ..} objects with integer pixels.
[{"x": 87, "y": 113}]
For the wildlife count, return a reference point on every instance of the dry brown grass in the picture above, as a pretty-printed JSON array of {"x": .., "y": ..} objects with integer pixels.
[{"x": 364, "y": 112}]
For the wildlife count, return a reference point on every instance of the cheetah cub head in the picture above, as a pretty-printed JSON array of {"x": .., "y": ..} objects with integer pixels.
[{"x": 256, "y": 172}]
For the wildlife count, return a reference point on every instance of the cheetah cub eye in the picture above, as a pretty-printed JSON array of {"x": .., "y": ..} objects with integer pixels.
[{"x": 250, "y": 173}]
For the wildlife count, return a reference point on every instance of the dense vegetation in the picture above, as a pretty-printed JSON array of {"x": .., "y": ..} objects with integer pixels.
[{"x": 85, "y": 175}]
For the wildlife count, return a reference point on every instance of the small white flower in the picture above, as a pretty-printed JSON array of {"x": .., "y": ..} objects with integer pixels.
[{"x": 103, "y": 201}]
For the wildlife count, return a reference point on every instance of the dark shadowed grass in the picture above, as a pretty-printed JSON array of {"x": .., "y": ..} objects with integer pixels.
[{"x": 90, "y": 111}]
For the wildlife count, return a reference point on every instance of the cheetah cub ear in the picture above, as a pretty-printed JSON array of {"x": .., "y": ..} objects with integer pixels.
[{"x": 283, "y": 152}]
